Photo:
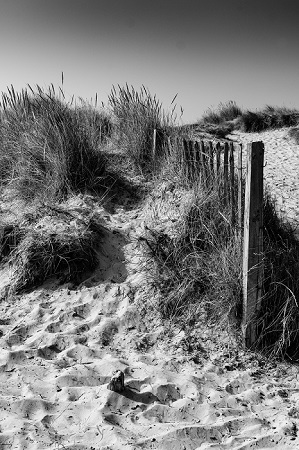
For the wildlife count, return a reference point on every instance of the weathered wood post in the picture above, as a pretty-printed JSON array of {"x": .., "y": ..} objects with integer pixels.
[
  {"x": 218, "y": 152},
  {"x": 211, "y": 156},
  {"x": 192, "y": 158},
  {"x": 169, "y": 146},
  {"x": 154, "y": 144},
  {"x": 203, "y": 160},
  {"x": 232, "y": 182},
  {"x": 186, "y": 159},
  {"x": 253, "y": 241},
  {"x": 240, "y": 187},
  {"x": 197, "y": 153},
  {"x": 218, "y": 176},
  {"x": 225, "y": 173}
]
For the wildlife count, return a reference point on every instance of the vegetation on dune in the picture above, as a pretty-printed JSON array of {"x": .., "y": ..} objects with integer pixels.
[
  {"x": 49, "y": 148},
  {"x": 228, "y": 116},
  {"x": 269, "y": 118},
  {"x": 198, "y": 270},
  {"x": 137, "y": 115},
  {"x": 50, "y": 242},
  {"x": 223, "y": 113},
  {"x": 279, "y": 315}
]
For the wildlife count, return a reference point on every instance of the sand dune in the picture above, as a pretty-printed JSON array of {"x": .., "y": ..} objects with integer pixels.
[{"x": 61, "y": 344}]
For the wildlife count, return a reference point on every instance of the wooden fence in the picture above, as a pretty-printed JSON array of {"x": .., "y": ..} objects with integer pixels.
[{"x": 222, "y": 162}]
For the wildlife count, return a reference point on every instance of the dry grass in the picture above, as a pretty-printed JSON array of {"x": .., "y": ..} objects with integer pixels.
[
  {"x": 223, "y": 113},
  {"x": 10, "y": 237},
  {"x": 137, "y": 115},
  {"x": 54, "y": 242},
  {"x": 228, "y": 116},
  {"x": 49, "y": 148},
  {"x": 197, "y": 271},
  {"x": 270, "y": 117},
  {"x": 279, "y": 316}
]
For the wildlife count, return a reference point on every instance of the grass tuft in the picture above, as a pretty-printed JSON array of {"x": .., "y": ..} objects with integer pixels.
[
  {"x": 279, "y": 316},
  {"x": 223, "y": 113},
  {"x": 197, "y": 271},
  {"x": 54, "y": 242},
  {"x": 137, "y": 115},
  {"x": 49, "y": 148},
  {"x": 268, "y": 118}
]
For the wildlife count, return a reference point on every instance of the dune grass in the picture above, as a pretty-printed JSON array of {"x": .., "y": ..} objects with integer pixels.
[
  {"x": 270, "y": 117},
  {"x": 52, "y": 242},
  {"x": 49, "y": 148},
  {"x": 229, "y": 116},
  {"x": 223, "y": 113},
  {"x": 137, "y": 114},
  {"x": 197, "y": 272},
  {"x": 279, "y": 315}
]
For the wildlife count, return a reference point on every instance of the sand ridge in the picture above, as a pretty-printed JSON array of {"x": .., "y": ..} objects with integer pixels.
[
  {"x": 281, "y": 168},
  {"x": 60, "y": 344}
]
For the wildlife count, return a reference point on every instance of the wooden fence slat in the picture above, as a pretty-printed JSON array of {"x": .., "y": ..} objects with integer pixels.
[
  {"x": 211, "y": 156},
  {"x": 225, "y": 173},
  {"x": 186, "y": 158},
  {"x": 232, "y": 181},
  {"x": 203, "y": 159},
  {"x": 192, "y": 159},
  {"x": 169, "y": 146},
  {"x": 218, "y": 152},
  {"x": 154, "y": 144},
  {"x": 240, "y": 186},
  {"x": 253, "y": 241},
  {"x": 197, "y": 155}
]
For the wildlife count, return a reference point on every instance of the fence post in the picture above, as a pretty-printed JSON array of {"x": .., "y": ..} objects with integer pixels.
[
  {"x": 192, "y": 158},
  {"x": 253, "y": 241},
  {"x": 240, "y": 174},
  {"x": 169, "y": 146},
  {"x": 225, "y": 173},
  {"x": 197, "y": 154},
  {"x": 203, "y": 156},
  {"x": 232, "y": 182},
  {"x": 211, "y": 156},
  {"x": 154, "y": 144},
  {"x": 186, "y": 158},
  {"x": 218, "y": 151}
]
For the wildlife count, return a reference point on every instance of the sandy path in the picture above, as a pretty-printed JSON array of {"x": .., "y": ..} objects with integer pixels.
[
  {"x": 59, "y": 347},
  {"x": 281, "y": 168}
]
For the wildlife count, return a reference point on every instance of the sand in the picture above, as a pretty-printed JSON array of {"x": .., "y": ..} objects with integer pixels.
[
  {"x": 281, "y": 168},
  {"x": 60, "y": 344}
]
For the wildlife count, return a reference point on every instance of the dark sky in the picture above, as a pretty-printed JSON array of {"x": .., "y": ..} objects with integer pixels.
[{"x": 207, "y": 51}]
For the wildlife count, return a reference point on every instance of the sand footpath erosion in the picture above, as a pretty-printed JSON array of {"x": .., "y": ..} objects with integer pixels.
[{"x": 60, "y": 345}]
